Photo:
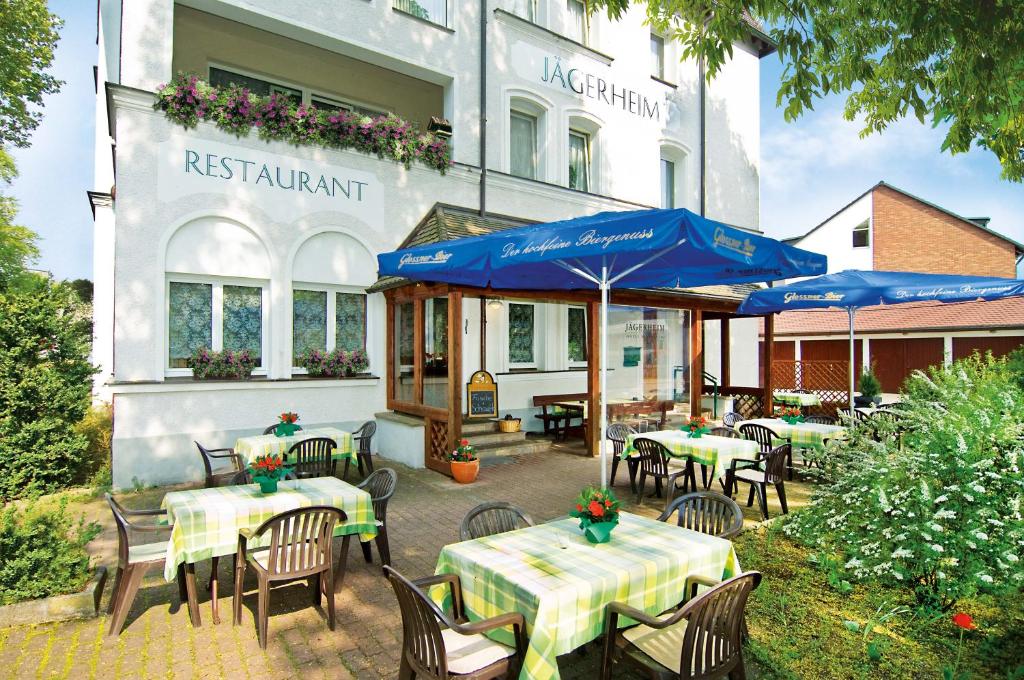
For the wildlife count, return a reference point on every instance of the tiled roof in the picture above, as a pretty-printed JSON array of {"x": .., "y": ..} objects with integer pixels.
[{"x": 917, "y": 316}]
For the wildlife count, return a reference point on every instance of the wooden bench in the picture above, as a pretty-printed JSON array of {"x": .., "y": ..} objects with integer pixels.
[
  {"x": 642, "y": 408},
  {"x": 557, "y": 423}
]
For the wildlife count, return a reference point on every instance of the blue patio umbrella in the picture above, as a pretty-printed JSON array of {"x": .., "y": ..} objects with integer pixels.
[
  {"x": 632, "y": 249},
  {"x": 853, "y": 288}
]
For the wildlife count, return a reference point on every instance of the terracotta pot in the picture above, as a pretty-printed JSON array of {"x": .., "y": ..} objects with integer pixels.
[{"x": 465, "y": 473}]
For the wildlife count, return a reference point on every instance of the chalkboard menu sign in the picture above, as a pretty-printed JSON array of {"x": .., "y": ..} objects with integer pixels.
[{"x": 482, "y": 393}]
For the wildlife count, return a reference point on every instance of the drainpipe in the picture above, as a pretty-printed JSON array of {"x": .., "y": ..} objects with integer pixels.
[
  {"x": 703, "y": 152},
  {"x": 483, "y": 107}
]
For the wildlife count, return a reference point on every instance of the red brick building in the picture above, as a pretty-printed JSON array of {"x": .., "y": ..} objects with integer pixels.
[{"x": 888, "y": 229}]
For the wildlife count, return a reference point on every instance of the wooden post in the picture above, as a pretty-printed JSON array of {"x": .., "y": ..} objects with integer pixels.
[
  {"x": 696, "y": 361},
  {"x": 483, "y": 333},
  {"x": 454, "y": 368},
  {"x": 593, "y": 430},
  {"x": 726, "y": 359},
  {"x": 389, "y": 347},
  {"x": 769, "y": 341},
  {"x": 418, "y": 344}
]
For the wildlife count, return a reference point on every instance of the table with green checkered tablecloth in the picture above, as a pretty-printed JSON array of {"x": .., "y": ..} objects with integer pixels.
[
  {"x": 264, "y": 444},
  {"x": 562, "y": 584},
  {"x": 707, "y": 449},
  {"x": 797, "y": 398},
  {"x": 206, "y": 522},
  {"x": 809, "y": 435}
]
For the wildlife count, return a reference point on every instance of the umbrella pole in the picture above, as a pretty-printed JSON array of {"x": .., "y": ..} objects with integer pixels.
[
  {"x": 604, "y": 376},
  {"x": 850, "y": 311}
]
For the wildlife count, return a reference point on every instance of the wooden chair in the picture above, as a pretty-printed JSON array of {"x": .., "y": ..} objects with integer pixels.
[
  {"x": 300, "y": 546},
  {"x": 488, "y": 519},
  {"x": 820, "y": 420},
  {"x": 618, "y": 433},
  {"x": 313, "y": 457},
  {"x": 439, "y": 646},
  {"x": 732, "y": 419},
  {"x": 652, "y": 461},
  {"x": 699, "y": 641},
  {"x": 270, "y": 429},
  {"x": 770, "y": 468},
  {"x": 363, "y": 437},
  {"x": 707, "y": 512},
  {"x": 133, "y": 561},
  {"x": 381, "y": 486},
  {"x": 218, "y": 474},
  {"x": 765, "y": 438}
]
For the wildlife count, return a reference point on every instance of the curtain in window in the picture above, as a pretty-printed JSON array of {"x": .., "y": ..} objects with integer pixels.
[
  {"x": 350, "y": 321},
  {"x": 579, "y": 162},
  {"x": 658, "y": 56},
  {"x": 577, "y": 334},
  {"x": 243, "y": 319},
  {"x": 309, "y": 321},
  {"x": 189, "y": 322},
  {"x": 668, "y": 184},
  {"x": 577, "y": 21},
  {"x": 523, "y": 145},
  {"x": 520, "y": 334}
]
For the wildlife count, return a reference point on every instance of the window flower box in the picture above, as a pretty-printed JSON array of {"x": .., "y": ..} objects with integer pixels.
[{"x": 227, "y": 365}]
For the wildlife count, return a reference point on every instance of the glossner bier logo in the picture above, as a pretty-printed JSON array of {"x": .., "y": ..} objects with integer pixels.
[
  {"x": 271, "y": 176},
  {"x": 440, "y": 257},
  {"x": 597, "y": 88},
  {"x": 830, "y": 296},
  {"x": 723, "y": 240},
  {"x": 591, "y": 237}
]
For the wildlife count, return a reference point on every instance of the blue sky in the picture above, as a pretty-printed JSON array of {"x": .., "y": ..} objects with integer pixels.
[{"x": 809, "y": 168}]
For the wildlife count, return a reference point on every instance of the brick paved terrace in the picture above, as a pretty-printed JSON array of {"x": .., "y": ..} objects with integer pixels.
[{"x": 159, "y": 642}]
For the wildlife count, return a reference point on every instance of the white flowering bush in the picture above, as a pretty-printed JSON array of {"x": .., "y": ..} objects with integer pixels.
[{"x": 937, "y": 508}]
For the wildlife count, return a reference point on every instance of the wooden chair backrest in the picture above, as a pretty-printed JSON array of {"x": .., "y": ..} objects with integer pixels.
[
  {"x": 422, "y": 643},
  {"x": 707, "y": 512},
  {"x": 300, "y": 540},
  {"x": 364, "y": 435},
  {"x": 725, "y": 432},
  {"x": 488, "y": 519},
  {"x": 312, "y": 457},
  {"x": 618, "y": 433},
  {"x": 775, "y": 464},
  {"x": 381, "y": 486},
  {"x": 760, "y": 434},
  {"x": 653, "y": 459},
  {"x": 714, "y": 622}
]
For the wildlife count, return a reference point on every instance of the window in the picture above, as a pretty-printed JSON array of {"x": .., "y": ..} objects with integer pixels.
[
  {"x": 668, "y": 183},
  {"x": 434, "y": 11},
  {"x": 331, "y": 105},
  {"x": 657, "y": 56},
  {"x": 579, "y": 160},
  {"x": 577, "y": 345},
  {"x": 523, "y": 145},
  {"x": 327, "y": 319},
  {"x": 578, "y": 25},
  {"x": 531, "y": 10},
  {"x": 214, "y": 315},
  {"x": 862, "y": 235},
  {"x": 222, "y": 78},
  {"x": 521, "y": 336}
]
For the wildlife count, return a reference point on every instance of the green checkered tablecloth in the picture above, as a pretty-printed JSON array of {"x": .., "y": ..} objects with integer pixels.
[
  {"x": 206, "y": 522},
  {"x": 251, "y": 447},
  {"x": 810, "y": 435},
  {"x": 562, "y": 584},
  {"x": 718, "y": 452},
  {"x": 797, "y": 398}
]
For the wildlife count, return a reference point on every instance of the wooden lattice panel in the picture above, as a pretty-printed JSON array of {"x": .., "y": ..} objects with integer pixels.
[
  {"x": 747, "y": 401},
  {"x": 437, "y": 445},
  {"x": 827, "y": 379}
]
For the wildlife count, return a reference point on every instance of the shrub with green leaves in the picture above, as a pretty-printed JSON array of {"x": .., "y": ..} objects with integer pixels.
[
  {"x": 936, "y": 508},
  {"x": 42, "y": 552}
]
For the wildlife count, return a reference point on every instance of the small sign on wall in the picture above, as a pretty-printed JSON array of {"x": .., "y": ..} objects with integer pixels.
[{"x": 482, "y": 396}]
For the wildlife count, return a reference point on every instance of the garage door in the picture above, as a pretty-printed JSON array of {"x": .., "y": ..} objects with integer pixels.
[
  {"x": 999, "y": 345},
  {"x": 895, "y": 359}
]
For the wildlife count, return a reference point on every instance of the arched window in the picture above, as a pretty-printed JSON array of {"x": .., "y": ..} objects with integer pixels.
[
  {"x": 584, "y": 154},
  {"x": 672, "y": 168},
  {"x": 527, "y": 129}
]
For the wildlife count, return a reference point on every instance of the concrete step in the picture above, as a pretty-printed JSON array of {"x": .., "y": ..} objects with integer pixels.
[
  {"x": 527, "y": 446},
  {"x": 495, "y": 438},
  {"x": 471, "y": 428}
]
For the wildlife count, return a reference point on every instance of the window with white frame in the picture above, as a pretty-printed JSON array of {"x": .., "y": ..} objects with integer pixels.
[
  {"x": 327, "y": 318},
  {"x": 215, "y": 314},
  {"x": 576, "y": 345},
  {"x": 657, "y": 56},
  {"x": 522, "y": 144},
  {"x": 668, "y": 183},
  {"x": 579, "y": 160},
  {"x": 220, "y": 77},
  {"x": 522, "y": 335},
  {"x": 578, "y": 23},
  {"x": 332, "y": 105},
  {"x": 862, "y": 235},
  {"x": 434, "y": 11}
]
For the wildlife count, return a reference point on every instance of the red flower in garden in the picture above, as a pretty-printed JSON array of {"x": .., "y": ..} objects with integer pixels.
[
  {"x": 464, "y": 442},
  {"x": 964, "y": 621},
  {"x": 596, "y": 509}
]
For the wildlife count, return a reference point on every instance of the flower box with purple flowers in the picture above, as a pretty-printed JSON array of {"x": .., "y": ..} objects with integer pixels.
[
  {"x": 337, "y": 363},
  {"x": 227, "y": 365}
]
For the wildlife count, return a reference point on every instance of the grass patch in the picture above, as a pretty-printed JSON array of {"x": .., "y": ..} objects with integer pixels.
[{"x": 801, "y": 627}]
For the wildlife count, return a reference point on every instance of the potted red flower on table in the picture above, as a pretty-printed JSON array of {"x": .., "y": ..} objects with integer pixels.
[
  {"x": 287, "y": 426},
  {"x": 267, "y": 471},
  {"x": 465, "y": 464},
  {"x": 791, "y": 414},
  {"x": 598, "y": 513},
  {"x": 696, "y": 426}
]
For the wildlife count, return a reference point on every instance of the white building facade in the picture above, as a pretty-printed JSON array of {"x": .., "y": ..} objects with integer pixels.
[{"x": 194, "y": 246}]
